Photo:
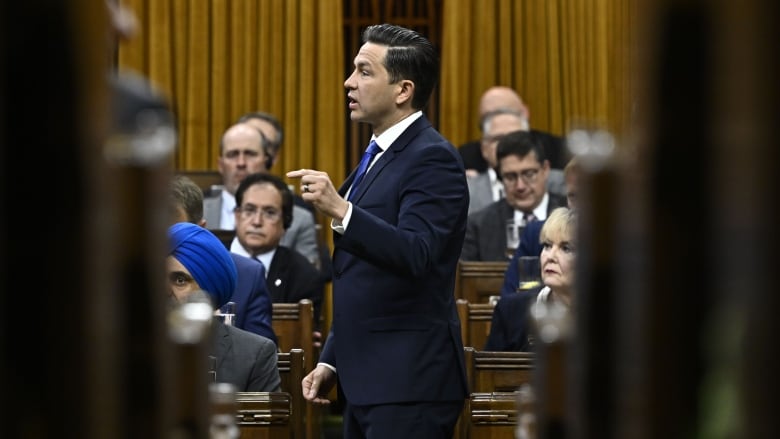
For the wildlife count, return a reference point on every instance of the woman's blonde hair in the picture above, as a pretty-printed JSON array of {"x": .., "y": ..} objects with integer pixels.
[{"x": 561, "y": 223}]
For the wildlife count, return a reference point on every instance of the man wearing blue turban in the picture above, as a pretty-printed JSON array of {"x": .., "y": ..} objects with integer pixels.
[{"x": 197, "y": 260}]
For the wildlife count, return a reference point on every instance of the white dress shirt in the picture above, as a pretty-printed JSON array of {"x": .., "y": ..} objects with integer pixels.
[{"x": 383, "y": 141}]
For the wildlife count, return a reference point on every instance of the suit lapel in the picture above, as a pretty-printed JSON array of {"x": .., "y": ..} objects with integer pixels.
[
  {"x": 387, "y": 157},
  {"x": 223, "y": 343},
  {"x": 277, "y": 274}
]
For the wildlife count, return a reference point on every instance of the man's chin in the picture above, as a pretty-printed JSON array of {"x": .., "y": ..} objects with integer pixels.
[{"x": 257, "y": 247}]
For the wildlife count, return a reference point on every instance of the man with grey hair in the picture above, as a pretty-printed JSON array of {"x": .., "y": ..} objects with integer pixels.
[
  {"x": 502, "y": 99},
  {"x": 244, "y": 151}
]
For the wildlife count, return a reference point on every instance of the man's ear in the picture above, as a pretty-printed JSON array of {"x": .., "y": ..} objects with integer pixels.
[
  {"x": 406, "y": 92},
  {"x": 202, "y": 223}
]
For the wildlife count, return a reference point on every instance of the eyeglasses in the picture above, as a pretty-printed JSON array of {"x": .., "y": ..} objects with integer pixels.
[
  {"x": 529, "y": 176},
  {"x": 268, "y": 214}
]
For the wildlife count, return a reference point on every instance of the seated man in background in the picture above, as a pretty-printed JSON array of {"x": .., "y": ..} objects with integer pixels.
[
  {"x": 253, "y": 309},
  {"x": 504, "y": 99},
  {"x": 263, "y": 213},
  {"x": 523, "y": 170},
  {"x": 197, "y": 260},
  {"x": 271, "y": 127},
  {"x": 511, "y": 327},
  {"x": 529, "y": 241},
  {"x": 243, "y": 151},
  {"x": 485, "y": 187}
]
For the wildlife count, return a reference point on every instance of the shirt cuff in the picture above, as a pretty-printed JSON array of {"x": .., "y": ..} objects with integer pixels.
[
  {"x": 341, "y": 227},
  {"x": 328, "y": 366}
]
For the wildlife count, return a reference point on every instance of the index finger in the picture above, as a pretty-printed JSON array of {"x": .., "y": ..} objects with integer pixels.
[{"x": 299, "y": 173}]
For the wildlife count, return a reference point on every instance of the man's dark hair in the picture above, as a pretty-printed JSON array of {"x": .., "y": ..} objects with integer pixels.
[
  {"x": 520, "y": 143},
  {"x": 409, "y": 56},
  {"x": 281, "y": 186}
]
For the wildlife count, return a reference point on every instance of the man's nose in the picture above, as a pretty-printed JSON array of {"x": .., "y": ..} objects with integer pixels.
[
  {"x": 349, "y": 83},
  {"x": 520, "y": 183}
]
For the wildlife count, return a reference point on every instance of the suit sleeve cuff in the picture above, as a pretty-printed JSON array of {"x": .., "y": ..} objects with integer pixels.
[{"x": 341, "y": 227}]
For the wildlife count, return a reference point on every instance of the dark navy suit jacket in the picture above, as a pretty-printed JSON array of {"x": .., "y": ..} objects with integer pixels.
[
  {"x": 395, "y": 335},
  {"x": 252, "y": 299},
  {"x": 510, "y": 326}
]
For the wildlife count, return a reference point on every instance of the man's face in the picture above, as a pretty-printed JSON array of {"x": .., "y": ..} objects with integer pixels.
[
  {"x": 180, "y": 282},
  {"x": 372, "y": 99},
  {"x": 499, "y": 126},
  {"x": 524, "y": 180},
  {"x": 259, "y": 224},
  {"x": 242, "y": 154}
]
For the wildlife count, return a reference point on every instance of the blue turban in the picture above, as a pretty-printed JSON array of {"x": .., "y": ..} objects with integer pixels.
[{"x": 206, "y": 258}]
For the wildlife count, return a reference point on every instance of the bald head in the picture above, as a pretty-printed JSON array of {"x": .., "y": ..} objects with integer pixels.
[
  {"x": 243, "y": 133},
  {"x": 501, "y": 98},
  {"x": 242, "y": 152}
]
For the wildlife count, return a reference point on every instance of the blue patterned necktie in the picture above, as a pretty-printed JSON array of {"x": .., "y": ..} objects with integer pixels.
[{"x": 368, "y": 157}]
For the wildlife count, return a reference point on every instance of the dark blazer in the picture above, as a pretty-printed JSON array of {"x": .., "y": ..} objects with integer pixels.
[
  {"x": 291, "y": 278},
  {"x": 244, "y": 359},
  {"x": 486, "y": 232},
  {"x": 395, "y": 335},
  {"x": 510, "y": 326},
  {"x": 529, "y": 246},
  {"x": 252, "y": 299}
]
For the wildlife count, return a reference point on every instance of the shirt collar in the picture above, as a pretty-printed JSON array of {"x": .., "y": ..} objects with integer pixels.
[
  {"x": 227, "y": 218},
  {"x": 394, "y": 132},
  {"x": 265, "y": 258}
]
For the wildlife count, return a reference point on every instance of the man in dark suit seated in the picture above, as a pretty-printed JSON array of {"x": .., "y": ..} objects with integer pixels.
[
  {"x": 523, "y": 169},
  {"x": 264, "y": 211},
  {"x": 196, "y": 261},
  {"x": 271, "y": 127},
  {"x": 242, "y": 152}
]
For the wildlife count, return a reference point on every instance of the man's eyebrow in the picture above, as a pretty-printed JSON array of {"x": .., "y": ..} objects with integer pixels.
[{"x": 181, "y": 273}]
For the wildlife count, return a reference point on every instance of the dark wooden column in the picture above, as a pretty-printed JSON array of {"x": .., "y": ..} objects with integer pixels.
[{"x": 82, "y": 239}]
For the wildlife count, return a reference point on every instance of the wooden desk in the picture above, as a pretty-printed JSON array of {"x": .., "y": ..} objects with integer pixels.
[{"x": 477, "y": 281}]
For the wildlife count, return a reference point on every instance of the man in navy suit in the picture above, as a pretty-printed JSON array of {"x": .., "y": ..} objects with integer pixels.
[
  {"x": 394, "y": 343},
  {"x": 253, "y": 309}
]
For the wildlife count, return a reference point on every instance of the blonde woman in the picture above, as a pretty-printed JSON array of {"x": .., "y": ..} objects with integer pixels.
[{"x": 510, "y": 327}]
